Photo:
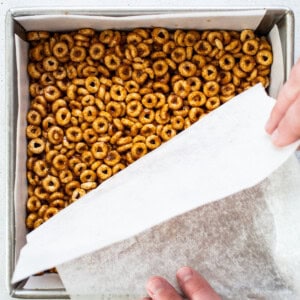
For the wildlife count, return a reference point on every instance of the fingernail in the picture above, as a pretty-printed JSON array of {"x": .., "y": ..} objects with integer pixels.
[
  {"x": 275, "y": 136},
  {"x": 184, "y": 274},
  {"x": 155, "y": 286},
  {"x": 268, "y": 124}
]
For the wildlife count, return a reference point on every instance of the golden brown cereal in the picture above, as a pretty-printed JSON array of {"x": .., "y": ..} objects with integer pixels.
[
  {"x": 104, "y": 171},
  {"x": 99, "y": 150},
  {"x": 211, "y": 88},
  {"x": 33, "y": 117},
  {"x": 50, "y": 212},
  {"x": 60, "y": 50},
  {"x": 195, "y": 114},
  {"x": 212, "y": 103},
  {"x": 101, "y": 100},
  {"x": 50, "y": 63},
  {"x": 51, "y": 183},
  {"x": 112, "y": 158},
  {"x": 77, "y": 193},
  {"x": 77, "y": 54},
  {"x": 196, "y": 98},
  {"x": 247, "y": 63},
  {"x": 264, "y": 57}
]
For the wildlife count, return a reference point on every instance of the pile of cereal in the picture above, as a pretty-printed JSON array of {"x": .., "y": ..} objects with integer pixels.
[{"x": 101, "y": 100}]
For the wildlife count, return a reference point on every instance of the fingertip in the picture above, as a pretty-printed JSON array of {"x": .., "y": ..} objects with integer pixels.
[{"x": 184, "y": 274}]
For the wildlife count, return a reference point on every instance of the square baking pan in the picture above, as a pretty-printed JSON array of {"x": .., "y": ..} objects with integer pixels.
[{"x": 280, "y": 16}]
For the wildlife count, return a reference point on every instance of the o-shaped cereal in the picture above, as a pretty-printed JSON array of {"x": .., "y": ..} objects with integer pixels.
[
  {"x": 247, "y": 34},
  {"x": 87, "y": 176},
  {"x": 112, "y": 158},
  {"x": 40, "y": 168},
  {"x": 33, "y": 204},
  {"x": 118, "y": 92},
  {"x": 153, "y": 141},
  {"x": 99, "y": 150},
  {"x": 77, "y": 54},
  {"x": 33, "y": 131},
  {"x": 100, "y": 125},
  {"x": 60, "y": 162},
  {"x": 138, "y": 150},
  {"x": 209, "y": 72},
  {"x": 97, "y": 51},
  {"x": 36, "y": 146},
  {"x": 228, "y": 89},
  {"x": 65, "y": 176},
  {"x": 160, "y": 35},
  {"x": 191, "y": 38},
  {"x": 181, "y": 88},
  {"x": 114, "y": 109},
  {"x": 92, "y": 84},
  {"x": 149, "y": 100},
  {"x": 247, "y": 63},
  {"x": 195, "y": 114},
  {"x": 250, "y": 47},
  {"x": 51, "y": 184},
  {"x": 160, "y": 67},
  {"x": 132, "y": 86},
  {"x": 50, "y": 63},
  {"x": 112, "y": 62},
  {"x": 264, "y": 57},
  {"x": 203, "y": 47},
  {"x": 60, "y": 49},
  {"x": 117, "y": 168},
  {"x": 212, "y": 103},
  {"x": 211, "y": 88},
  {"x": 51, "y": 93},
  {"x": 90, "y": 113},
  {"x": 71, "y": 186},
  {"x": 225, "y": 77},
  {"x": 175, "y": 102},
  {"x": 196, "y": 99},
  {"x": 167, "y": 132},
  {"x": 124, "y": 72},
  {"x": 148, "y": 129},
  {"x": 90, "y": 135},
  {"x": 104, "y": 172},
  {"x": 33, "y": 117},
  {"x": 177, "y": 122},
  {"x": 227, "y": 62},
  {"x": 194, "y": 83},
  {"x": 147, "y": 116},
  {"x": 63, "y": 116},
  {"x": 187, "y": 69},
  {"x": 79, "y": 168},
  {"x": 77, "y": 193},
  {"x": 50, "y": 212},
  {"x": 74, "y": 134},
  {"x": 178, "y": 55}
]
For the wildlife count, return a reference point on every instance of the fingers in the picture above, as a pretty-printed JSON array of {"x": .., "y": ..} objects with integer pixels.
[
  {"x": 287, "y": 96},
  {"x": 288, "y": 130},
  {"x": 160, "y": 289},
  {"x": 194, "y": 286}
]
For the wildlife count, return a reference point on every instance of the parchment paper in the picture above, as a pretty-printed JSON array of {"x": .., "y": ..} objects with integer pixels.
[
  {"x": 246, "y": 245},
  {"x": 200, "y": 165}
]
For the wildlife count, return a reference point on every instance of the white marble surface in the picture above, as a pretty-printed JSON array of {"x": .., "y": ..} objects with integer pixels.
[{"x": 6, "y": 4}]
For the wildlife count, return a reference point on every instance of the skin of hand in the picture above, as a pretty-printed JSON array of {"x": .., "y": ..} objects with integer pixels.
[
  {"x": 284, "y": 122},
  {"x": 192, "y": 284}
]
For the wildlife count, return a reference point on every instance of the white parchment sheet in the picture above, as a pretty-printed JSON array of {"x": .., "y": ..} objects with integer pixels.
[
  {"x": 224, "y": 153},
  {"x": 155, "y": 216}
]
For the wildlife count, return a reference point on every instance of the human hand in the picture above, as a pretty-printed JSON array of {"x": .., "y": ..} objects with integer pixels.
[
  {"x": 284, "y": 121},
  {"x": 192, "y": 284}
]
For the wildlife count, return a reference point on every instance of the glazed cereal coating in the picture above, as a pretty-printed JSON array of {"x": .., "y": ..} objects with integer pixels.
[{"x": 102, "y": 100}]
